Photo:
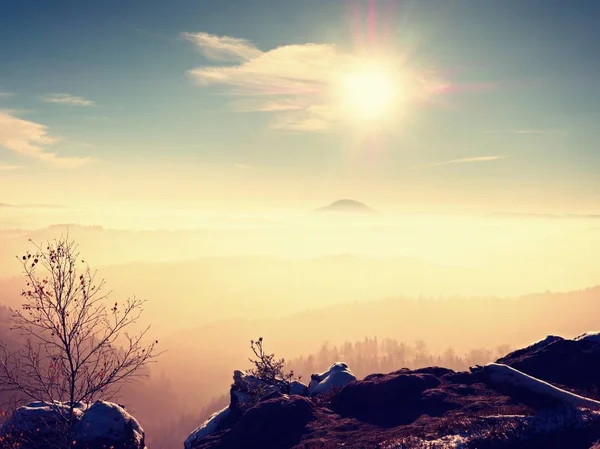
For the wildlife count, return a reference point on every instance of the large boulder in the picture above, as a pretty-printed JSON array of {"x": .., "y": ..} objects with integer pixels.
[
  {"x": 298, "y": 388},
  {"x": 246, "y": 391},
  {"x": 570, "y": 363},
  {"x": 38, "y": 425},
  {"x": 337, "y": 376},
  {"x": 391, "y": 399},
  {"x": 535, "y": 346},
  {"x": 274, "y": 423},
  {"x": 42, "y": 425},
  {"x": 106, "y": 424}
]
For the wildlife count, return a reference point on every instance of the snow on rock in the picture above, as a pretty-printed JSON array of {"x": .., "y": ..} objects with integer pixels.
[
  {"x": 593, "y": 337},
  {"x": 515, "y": 428},
  {"x": 565, "y": 362},
  {"x": 532, "y": 348},
  {"x": 543, "y": 342},
  {"x": 246, "y": 384},
  {"x": 106, "y": 424},
  {"x": 337, "y": 376},
  {"x": 503, "y": 374},
  {"x": 544, "y": 422},
  {"x": 445, "y": 442},
  {"x": 209, "y": 426},
  {"x": 41, "y": 418}
]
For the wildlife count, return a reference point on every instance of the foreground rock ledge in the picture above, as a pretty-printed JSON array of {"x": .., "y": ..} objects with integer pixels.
[{"x": 528, "y": 399}]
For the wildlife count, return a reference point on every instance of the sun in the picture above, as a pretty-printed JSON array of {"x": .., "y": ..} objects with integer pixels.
[{"x": 369, "y": 92}]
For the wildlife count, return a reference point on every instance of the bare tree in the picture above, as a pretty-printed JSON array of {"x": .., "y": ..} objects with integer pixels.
[{"x": 76, "y": 347}]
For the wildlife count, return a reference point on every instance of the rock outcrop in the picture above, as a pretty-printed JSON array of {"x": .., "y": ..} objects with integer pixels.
[
  {"x": 573, "y": 364},
  {"x": 529, "y": 399},
  {"x": 247, "y": 388},
  {"x": 273, "y": 423},
  {"x": 389, "y": 400},
  {"x": 298, "y": 388},
  {"x": 210, "y": 426},
  {"x": 105, "y": 424}
]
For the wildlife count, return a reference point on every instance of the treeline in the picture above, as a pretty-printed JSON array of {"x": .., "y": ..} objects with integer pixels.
[{"x": 373, "y": 355}]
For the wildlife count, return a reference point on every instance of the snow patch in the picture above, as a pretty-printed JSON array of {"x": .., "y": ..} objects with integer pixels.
[
  {"x": 504, "y": 374},
  {"x": 337, "y": 376},
  {"x": 45, "y": 416},
  {"x": 593, "y": 337},
  {"x": 513, "y": 428},
  {"x": 445, "y": 442},
  {"x": 244, "y": 383},
  {"x": 106, "y": 421},
  {"x": 208, "y": 427},
  {"x": 543, "y": 342}
]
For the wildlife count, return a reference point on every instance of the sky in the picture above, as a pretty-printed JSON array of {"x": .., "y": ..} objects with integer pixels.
[{"x": 450, "y": 104}]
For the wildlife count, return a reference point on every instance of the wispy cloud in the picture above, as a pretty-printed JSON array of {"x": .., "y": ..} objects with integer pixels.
[
  {"x": 32, "y": 140},
  {"x": 97, "y": 117},
  {"x": 223, "y": 48},
  {"x": 68, "y": 99},
  {"x": 523, "y": 131},
  {"x": 243, "y": 166},
  {"x": 33, "y": 206},
  {"x": 5, "y": 167},
  {"x": 298, "y": 83},
  {"x": 465, "y": 160}
]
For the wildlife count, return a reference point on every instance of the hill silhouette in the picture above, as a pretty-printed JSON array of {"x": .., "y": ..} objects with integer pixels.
[{"x": 347, "y": 206}]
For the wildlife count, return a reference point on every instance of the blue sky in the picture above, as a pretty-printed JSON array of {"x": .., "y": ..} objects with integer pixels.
[{"x": 115, "y": 97}]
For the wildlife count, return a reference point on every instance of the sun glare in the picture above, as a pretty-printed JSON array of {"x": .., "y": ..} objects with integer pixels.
[{"x": 369, "y": 93}]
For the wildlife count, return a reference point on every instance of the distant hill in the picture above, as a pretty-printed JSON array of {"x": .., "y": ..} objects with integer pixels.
[{"x": 347, "y": 206}]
